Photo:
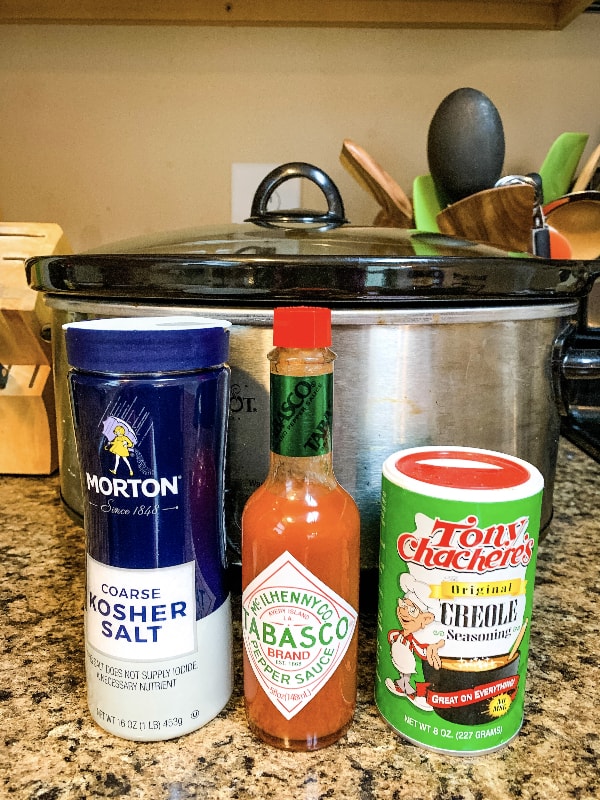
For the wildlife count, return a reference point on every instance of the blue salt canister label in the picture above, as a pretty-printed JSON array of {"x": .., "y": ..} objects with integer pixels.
[{"x": 150, "y": 399}]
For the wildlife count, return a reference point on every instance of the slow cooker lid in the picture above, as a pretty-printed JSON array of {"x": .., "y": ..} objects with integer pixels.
[
  {"x": 347, "y": 264},
  {"x": 304, "y": 256}
]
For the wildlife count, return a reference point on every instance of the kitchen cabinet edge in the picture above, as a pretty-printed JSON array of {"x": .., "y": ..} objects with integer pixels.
[{"x": 482, "y": 14}]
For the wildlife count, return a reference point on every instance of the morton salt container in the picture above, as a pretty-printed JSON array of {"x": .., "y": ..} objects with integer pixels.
[
  {"x": 459, "y": 534},
  {"x": 149, "y": 399}
]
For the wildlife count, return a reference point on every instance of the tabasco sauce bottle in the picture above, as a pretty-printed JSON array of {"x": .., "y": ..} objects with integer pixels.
[{"x": 300, "y": 554}]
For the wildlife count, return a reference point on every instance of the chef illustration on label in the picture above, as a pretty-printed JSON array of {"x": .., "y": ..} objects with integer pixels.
[
  {"x": 415, "y": 611},
  {"x": 121, "y": 441}
]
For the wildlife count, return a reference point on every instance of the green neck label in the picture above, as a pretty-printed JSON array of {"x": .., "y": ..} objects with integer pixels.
[{"x": 301, "y": 414}]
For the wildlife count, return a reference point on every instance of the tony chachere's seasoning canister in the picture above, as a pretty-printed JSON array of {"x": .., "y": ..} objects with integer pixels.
[
  {"x": 149, "y": 399},
  {"x": 459, "y": 533}
]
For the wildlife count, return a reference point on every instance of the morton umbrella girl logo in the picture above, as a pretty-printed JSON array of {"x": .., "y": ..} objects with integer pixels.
[{"x": 122, "y": 439}]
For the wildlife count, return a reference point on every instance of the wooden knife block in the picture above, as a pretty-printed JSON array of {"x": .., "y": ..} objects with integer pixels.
[
  {"x": 28, "y": 443},
  {"x": 28, "y": 440}
]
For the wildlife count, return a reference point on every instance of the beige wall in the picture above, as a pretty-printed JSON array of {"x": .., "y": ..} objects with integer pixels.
[{"x": 116, "y": 131}]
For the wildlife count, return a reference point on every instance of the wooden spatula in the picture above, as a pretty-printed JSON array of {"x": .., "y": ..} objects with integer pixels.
[
  {"x": 587, "y": 173},
  {"x": 396, "y": 208},
  {"x": 502, "y": 217}
]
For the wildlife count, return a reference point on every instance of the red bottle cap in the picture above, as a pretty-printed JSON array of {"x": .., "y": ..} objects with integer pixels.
[{"x": 302, "y": 326}]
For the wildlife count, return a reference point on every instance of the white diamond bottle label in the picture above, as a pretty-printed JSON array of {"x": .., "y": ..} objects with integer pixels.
[{"x": 296, "y": 632}]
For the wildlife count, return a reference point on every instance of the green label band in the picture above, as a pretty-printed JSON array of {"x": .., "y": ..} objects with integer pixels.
[{"x": 301, "y": 414}]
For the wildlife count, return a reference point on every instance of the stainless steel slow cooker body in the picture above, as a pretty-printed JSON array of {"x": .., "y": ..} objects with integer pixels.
[{"x": 439, "y": 342}]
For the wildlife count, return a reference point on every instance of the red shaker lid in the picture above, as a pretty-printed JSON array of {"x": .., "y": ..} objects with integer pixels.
[
  {"x": 463, "y": 473},
  {"x": 463, "y": 469},
  {"x": 302, "y": 326}
]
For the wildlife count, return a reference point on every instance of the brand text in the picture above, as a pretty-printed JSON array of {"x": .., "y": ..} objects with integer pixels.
[
  {"x": 132, "y": 487},
  {"x": 465, "y": 547}
]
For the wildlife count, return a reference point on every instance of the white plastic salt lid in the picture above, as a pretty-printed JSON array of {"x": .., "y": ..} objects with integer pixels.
[{"x": 129, "y": 345}]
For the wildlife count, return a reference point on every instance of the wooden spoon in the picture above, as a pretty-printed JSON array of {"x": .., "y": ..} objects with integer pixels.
[
  {"x": 587, "y": 173},
  {"x": 396, "y": 208},
  {"x": 502, "y": 217}
]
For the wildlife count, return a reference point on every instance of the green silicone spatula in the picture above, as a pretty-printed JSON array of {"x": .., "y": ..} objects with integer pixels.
[
  {"x": 426, "y": 204},
  {"x": 558, "y": 168}
]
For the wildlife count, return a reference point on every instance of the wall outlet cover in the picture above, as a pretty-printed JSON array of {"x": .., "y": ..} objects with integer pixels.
[{"x": 245, "y": 179}]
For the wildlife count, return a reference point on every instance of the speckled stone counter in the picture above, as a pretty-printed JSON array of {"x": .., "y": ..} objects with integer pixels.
[{"x": 53, "y": 751}]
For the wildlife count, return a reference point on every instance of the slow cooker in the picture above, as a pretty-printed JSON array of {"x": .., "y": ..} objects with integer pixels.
[{"x": 439, "y": 341}]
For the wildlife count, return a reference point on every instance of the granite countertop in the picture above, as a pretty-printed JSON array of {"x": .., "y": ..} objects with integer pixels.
[{"x": 52, "y": 749}]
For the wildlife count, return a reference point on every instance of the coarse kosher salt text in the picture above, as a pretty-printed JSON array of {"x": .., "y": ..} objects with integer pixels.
[
  {"x": 296, "y": 632},
  {"x": 141, "y": 614}
]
